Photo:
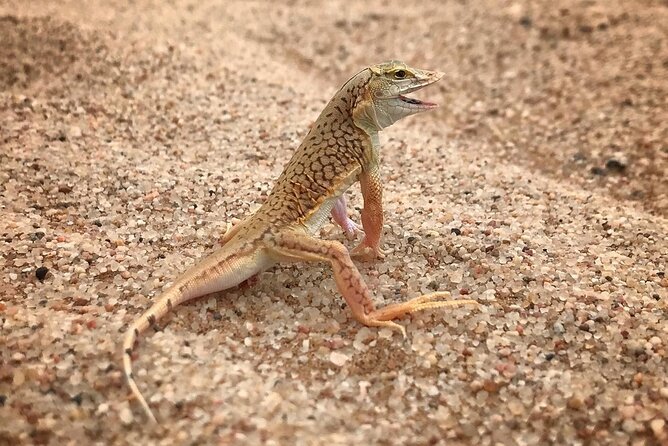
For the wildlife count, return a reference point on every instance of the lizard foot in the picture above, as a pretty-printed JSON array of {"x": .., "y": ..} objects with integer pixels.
[
  {"x": 383, "y": 316},
  {"x": 352, "y": 229},
  {"x": 366, "y": 253}
]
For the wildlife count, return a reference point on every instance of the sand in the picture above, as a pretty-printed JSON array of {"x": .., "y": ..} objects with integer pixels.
[{"x": 131, "y": 133}]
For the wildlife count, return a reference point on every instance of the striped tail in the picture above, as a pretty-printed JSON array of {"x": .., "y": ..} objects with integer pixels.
[
  {"x": 164, "y": 305},
  {"x": 224, "y": 269}
]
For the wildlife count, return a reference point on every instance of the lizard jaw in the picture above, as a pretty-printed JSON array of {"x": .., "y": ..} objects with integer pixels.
[{"x": 429, "y": 78}]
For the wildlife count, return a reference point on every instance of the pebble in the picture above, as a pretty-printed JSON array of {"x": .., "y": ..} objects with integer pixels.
[
  {"x": 41, "y": 273},
  {"x": 19, "y": 378},
  {"x": 75, "y": 132},
  {"x": 658, "y": 428},
  {"x": 126, "y": 415},
  {"x": 338, "y": 359},
  {"x": 664, "y": 392},
  {"x": 102, "y": 408}
]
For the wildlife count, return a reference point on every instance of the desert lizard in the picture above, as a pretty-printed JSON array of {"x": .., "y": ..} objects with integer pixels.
[{"x": 341, "y": 148}]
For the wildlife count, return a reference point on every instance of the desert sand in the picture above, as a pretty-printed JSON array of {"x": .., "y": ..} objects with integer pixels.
[{"x": 131, "y": 133}]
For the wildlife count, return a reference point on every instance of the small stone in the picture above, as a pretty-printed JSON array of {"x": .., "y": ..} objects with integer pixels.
[
  {"x": 102, "y": 408},
  {"x": 526, "y": 21},
  {"x": 456, "y": 276},
  {"x": 338, "y": 358},
  {"x": 664, "y": 392},
  {"x": 630, "y": 426},
  {"x": 126, "y": 415},
  {"x": 19, "y": 378},
  {"x": 75, "y": 132},
  {"x": 657, "y": 425},
  {"x": 41, "y": 273},
  {"x": 614, "y": 165},
  {"x": 627, "y": 411},
  {"x": 490, "y": 386},
  {"x": 48, "y": 422},
  {"x": 575, "y": 403}
]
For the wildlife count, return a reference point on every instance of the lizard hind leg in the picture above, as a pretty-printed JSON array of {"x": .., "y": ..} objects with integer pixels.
[
  {"x": 297, "y": 245},
  {"x": 341, "y": 218}
]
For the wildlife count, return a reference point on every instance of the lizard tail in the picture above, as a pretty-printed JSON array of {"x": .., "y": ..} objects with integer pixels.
[
  {"x": 220, "y": 271},
  {"x": 171, "y": 298}
]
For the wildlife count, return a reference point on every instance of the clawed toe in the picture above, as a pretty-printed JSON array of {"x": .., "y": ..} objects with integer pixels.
[{"x": 366, "y": 253}]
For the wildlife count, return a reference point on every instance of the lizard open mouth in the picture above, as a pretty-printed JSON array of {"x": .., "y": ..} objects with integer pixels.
[{"x": 417, "y": 102}]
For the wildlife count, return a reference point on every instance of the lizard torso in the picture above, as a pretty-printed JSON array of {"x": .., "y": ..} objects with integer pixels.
[{"x": 324, "y": 166}]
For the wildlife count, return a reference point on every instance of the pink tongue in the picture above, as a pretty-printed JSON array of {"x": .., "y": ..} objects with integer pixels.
[{"x": 417, "y": 101}]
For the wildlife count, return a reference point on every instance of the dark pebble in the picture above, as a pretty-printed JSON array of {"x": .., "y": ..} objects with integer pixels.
[
  {"x": 580, "y": 156},
  {"x": 37, "y": 236},
  {"x": 3, "y": 398},
  {"x": 614, "y": 165},
  {"x": 77, "y": 399},
  {"x": 526, "y": 21},
  {"x": 597, "y": 171},
  {"x": 456, "y": 231},
  {"x": 549, "y": 356},
  {"x": 41, "y": 273}
]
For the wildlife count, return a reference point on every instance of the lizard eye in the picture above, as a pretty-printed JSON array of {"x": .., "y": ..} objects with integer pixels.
[{"x": 399, "y": 74}]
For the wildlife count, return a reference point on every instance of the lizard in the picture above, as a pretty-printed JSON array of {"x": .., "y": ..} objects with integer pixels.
[{"x": 341, "y": 148}]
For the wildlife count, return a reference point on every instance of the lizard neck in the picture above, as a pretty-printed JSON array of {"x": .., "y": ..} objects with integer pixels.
[
  {"x": 373, "y": 155},
  {"x": 375, "y": 140}
]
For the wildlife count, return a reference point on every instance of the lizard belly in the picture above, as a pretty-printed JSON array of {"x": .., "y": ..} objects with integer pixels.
[
  {"x": 217, "y": 276},
  {"x": 321, "y": 215}
]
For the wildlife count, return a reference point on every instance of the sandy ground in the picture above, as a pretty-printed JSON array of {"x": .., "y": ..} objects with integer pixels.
[{"x": 131, "y": 132}]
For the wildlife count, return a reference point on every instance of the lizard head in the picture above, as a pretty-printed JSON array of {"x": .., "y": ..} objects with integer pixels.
[{"x": 383, "y": 100}]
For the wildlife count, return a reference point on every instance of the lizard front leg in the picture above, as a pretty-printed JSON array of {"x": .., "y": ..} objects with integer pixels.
[
  {"x": 297, "y": 245},
  {"x": 372, "y": 216},
  {"x": 340, "y": 216}
]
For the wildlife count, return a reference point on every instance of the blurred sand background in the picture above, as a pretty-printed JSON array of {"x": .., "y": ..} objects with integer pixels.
[{"x": 131, "y": 132}]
